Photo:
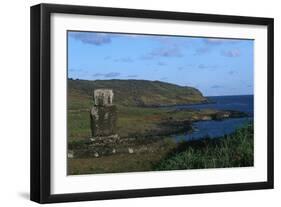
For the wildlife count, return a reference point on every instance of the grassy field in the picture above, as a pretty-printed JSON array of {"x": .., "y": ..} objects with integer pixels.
[
  {"x": 123, "y": 162},
  {"x": 235, "y": 150}
]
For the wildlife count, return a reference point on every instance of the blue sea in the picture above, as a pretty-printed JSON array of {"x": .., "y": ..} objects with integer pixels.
[{"x": 214, "y": 128}]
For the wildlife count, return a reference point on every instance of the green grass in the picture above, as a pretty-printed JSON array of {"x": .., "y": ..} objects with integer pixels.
[
  {"x": 114, "y": 164},
  {"x": 235, "y": 150},
  {"x": 121, "y": 162}
]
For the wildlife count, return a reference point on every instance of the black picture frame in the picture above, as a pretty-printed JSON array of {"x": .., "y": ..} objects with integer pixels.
[{"x": 41, "y": 99}]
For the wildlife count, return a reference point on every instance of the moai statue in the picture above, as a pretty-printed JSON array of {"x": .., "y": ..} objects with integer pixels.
[{"x": 103, "y": 114}]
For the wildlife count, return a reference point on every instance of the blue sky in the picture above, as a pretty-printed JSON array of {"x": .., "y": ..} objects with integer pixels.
[{"x": 214, "y": 66}]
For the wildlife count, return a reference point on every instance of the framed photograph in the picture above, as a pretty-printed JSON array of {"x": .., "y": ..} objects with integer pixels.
[{"x": 133, "y": 103}]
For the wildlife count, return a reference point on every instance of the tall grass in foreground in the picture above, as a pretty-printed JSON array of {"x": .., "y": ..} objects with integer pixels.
[{"x": 235, "y": 150}]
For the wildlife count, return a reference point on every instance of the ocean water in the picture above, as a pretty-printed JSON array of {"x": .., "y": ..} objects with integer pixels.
[{"x": 214, "y": 128}]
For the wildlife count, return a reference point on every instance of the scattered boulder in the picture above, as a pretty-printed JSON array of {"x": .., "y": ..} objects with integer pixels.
[
  {"x": 96, "y": 154},
  {"x": 130, "y": 150},
  {"x": 70, "y": 154}
]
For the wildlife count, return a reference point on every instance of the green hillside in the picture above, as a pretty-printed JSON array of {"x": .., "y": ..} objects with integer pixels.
[{"x": 138, "y": 92}]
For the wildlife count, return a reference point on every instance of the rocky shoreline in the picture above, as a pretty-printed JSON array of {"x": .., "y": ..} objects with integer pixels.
[{"x": 207, "y": 101}]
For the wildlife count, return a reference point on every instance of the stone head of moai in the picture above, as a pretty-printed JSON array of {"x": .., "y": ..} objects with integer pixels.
[{"x": 103, "y": 97}]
